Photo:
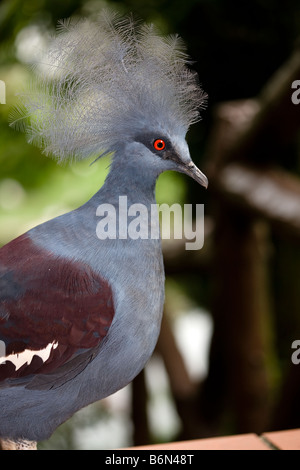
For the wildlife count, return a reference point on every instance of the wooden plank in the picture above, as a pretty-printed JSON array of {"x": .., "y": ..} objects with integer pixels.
[
  {"x": 240, "y": 442},
  {"x": 284, "y": 440},
  {"x": 271, "y": 194}
]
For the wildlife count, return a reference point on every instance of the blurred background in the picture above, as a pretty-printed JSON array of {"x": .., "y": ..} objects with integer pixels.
[{"x": 223, "y": 361}]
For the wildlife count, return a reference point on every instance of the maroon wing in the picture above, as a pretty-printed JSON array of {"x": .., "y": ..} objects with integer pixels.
[{"x": 49, "y": 301}]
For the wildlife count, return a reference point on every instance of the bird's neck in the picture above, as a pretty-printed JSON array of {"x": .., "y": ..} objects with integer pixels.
[
  {"x": 136, "y": 183},
  {"x": 122, "y": 211}
]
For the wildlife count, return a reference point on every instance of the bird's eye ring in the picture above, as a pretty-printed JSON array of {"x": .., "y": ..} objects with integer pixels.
[{"x": 159, "y": 144}]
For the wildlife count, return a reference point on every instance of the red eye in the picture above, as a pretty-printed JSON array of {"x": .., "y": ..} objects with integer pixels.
[{"x": 159, "y": 144}]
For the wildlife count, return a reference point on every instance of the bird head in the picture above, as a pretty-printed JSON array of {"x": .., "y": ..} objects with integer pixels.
[
  {"x": 156, "y": 152},
  {"x": 114, "y": 85}
]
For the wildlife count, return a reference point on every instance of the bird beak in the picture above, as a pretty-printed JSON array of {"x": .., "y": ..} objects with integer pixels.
[{"x": 191, "y": 170}]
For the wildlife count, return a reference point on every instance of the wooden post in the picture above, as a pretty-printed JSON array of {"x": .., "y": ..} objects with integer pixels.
[{"x": 240, "y": 311}]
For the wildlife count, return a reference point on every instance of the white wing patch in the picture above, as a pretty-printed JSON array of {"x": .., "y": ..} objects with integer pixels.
[{"x": 26, "y": 356}]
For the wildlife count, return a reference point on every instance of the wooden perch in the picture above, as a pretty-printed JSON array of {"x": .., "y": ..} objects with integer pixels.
[
  {"x": 247, "y": 137},
  {"x": 243, "y": 128},
  {"x": 269, "y": 193}
]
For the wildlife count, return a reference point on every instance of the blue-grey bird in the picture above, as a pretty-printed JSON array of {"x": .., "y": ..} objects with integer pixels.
[{"x": 80, "y": 312}]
